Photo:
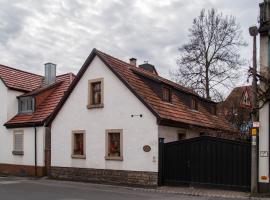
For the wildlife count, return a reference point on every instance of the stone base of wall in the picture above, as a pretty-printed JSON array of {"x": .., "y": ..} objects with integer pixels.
[
  {"x": 119, "y": 177},
  {"x": 21, "y": 170},
  {"x": 264, "y": 187}
]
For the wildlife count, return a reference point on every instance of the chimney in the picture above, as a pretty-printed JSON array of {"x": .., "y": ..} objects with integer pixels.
[
  {"x": 264, "y": 12},
  {"x": 133, "y": 61},
  {"x": 50, "y": 73}
]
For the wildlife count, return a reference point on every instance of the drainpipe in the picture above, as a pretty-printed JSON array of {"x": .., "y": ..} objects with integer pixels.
[{"x": 35, "y": 150}]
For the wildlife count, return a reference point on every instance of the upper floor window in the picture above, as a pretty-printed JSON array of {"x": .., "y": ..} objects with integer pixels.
[
  {"x": 166, "y": 94},
  {"x": 26, "y": 104},
  {"x": 95, "y": 96},
  {"x": 194, "y": 104}
]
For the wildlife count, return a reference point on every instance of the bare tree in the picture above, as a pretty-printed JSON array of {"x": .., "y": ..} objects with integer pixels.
[
  {"x": 263, "y": 92},
  {"x": 210, "y": 59}
]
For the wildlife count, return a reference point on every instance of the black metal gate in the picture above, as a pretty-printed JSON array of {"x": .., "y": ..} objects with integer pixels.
[{"x": 206, "y": 161}]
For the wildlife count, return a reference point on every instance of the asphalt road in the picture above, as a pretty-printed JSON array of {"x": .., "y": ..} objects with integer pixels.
[{"x": 29, "y": 189}]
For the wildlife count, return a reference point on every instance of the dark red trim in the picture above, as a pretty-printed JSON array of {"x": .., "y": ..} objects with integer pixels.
[{"x": 25, "y": 124}]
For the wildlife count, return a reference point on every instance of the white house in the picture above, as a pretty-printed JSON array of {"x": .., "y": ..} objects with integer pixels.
[
  {"x": 264, "y": 129},
  {"x": 108, "y": 124},
  {"x": 27, "y": 100}
]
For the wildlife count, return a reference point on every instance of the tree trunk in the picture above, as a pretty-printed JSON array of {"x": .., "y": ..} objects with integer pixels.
[{"x": 207, "y": 87}]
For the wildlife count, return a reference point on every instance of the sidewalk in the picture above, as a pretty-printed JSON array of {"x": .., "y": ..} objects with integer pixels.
[{"x": 205, "y": 192}]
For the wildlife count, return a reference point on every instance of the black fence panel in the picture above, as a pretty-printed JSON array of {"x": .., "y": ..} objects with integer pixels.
[{"x": 207, "y": 161}]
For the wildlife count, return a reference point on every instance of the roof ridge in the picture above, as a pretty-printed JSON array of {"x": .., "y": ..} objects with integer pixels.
[
  {"x": 184, "y": 88},
  {"x": 1, "y": 65},
  {"x": 68, "y": 73}
]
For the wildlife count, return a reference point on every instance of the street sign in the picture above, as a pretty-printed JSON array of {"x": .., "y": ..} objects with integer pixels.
[
  {"x": 246, "y": 100},
  {"x": 264, "y": 153},
  {"x": 253, "y": 140},
  {"x": 254, "y": 132},
  {"x": 256, "y": 124}
]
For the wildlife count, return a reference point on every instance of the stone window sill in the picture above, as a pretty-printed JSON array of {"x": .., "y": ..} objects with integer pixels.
[
  {"x": 17, "y": 153},
  {"x": 78, "y": 156},
  {"x": 120, "y": 158},
  {"x": 91, "y": 106}
]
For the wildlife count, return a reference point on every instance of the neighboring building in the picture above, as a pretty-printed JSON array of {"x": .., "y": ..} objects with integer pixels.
[
  {"x": 237, "y": 108},
  {"x": 108, "y": 124},
  {"x": 264, "y": 131},
  {"x": 27, "y": 100}
]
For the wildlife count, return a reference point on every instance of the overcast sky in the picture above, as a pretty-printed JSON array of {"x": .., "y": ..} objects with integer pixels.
[{"x": 33, "y": 32}]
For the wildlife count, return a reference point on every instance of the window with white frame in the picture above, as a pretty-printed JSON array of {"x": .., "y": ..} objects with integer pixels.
[
  {"x": 114, "y": 144},
  {"x": 18, "y": 142},
  {"x": 26, "y": 104}
]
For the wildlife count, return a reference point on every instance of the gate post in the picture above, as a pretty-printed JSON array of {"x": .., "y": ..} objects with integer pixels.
[{"x": 160, "y": 161}]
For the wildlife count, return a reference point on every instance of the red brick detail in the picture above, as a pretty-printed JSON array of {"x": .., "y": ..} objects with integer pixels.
[{"x": 21, "y": 170}]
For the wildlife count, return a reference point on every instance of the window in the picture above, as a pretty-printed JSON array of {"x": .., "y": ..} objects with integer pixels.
[
  {"x": 194, "y": 104},
  {"x": 78, "y": 144},
  {"x": 95, "y": 97},
  {"x": 166, "y": 94},
  {"x": 114, "y": 144},
  {"x": 26, "y": 104},
  {"x": 214, "y": 110},
  {"x": 18, "y": 143}
]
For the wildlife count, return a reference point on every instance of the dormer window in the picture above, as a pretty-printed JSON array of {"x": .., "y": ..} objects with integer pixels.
[
  {"x": 214, "y": 110},
  {"x": 194, "y": 104},
  {"x": 166, "y": 94},
  {"x": 26, "y": 105}
]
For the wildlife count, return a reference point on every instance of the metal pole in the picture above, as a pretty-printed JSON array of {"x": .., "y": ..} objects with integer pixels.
[{"x": 254, "y": 149}]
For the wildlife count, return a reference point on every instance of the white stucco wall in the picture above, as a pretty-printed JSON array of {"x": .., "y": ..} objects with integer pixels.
[
  {"x": 119, "y": 105},
  {"x": 29, "y": 147},
  {"x": 264, "y": 142},
  {"x": 264, "y": 115},
  {"x": 170, "y": 134},
  {"x": 8, "y": 108}
]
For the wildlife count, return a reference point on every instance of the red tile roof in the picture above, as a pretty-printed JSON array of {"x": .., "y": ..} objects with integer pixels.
[
  {"x": 47, "y": 106},
  {"x": 19, "y": 80},
  {"x": 131, "y": 76}
]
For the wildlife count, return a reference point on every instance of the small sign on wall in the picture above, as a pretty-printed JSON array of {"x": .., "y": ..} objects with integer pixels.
[
  {"x": 264, "y": 153},
  {"x": 146, "y": 148}
]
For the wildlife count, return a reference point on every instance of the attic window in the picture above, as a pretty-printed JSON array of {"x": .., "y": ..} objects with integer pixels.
[
  {"x": 26, "y": 104},
  {"x": 214, "y": 110},
  {"x": 166, "y": 94},
  {"x": 194, "y": 104}
]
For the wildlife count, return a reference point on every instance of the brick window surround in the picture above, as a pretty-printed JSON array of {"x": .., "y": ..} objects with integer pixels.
[
  {"x": 114, "y": 144},
  {"x": 96, "y": 93},
  {"x": 78, "y": 147},
  {"x": 18, "y": 140}
]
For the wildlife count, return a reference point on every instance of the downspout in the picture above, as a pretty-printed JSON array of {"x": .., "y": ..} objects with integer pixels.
[{"x": 35, "y": 150}]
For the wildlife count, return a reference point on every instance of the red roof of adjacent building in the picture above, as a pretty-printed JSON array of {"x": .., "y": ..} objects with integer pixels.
[
  {"x": 174, "y": 114},
  {"x": 47, "y": 96},
  {"x": 19, "y": 80}
]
